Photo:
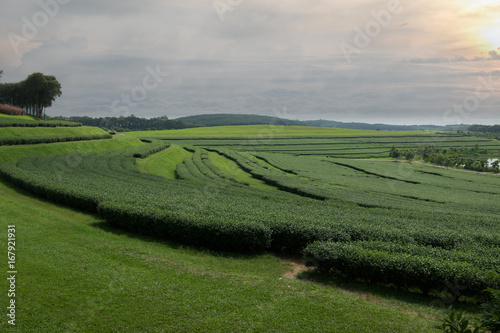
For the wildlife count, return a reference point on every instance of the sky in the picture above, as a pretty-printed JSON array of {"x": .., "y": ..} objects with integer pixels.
[{"x": 375, "y": 61}]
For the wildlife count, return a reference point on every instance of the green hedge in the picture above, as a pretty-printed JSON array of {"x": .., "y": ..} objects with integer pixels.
[
  {"x": 210, "y": 212},
  {"x": 15, "y": 122},
  {"x": 400, "y": 269},
  {"x": 152, "y": 146},
  {"x": 37, "y": 140},
  {"x": 217, "y": 232}
]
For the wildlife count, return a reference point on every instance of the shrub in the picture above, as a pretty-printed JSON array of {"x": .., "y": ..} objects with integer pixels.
[
  {"x": 399, "y": 269},
  {"x": 11, "y": 110}
]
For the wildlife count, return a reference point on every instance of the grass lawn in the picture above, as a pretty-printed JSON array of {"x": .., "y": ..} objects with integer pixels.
[{"x": 77, "y": 275}]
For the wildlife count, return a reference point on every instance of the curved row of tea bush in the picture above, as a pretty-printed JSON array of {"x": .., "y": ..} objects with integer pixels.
[
  {"x": 110, "y": 185},
  {"x": 401, "y": 269},
  {"x": 37, "y": 140},
  {"x": 19, "y": 122},
  {"x": 153, "y": 146},
  {"x": 486, "y": 257},
  {"x": 199, "y": 167},
  {"x": 212, "y": 212},
  {"x": 279, "y": 179},
  {"x": 287, "y": 233}
]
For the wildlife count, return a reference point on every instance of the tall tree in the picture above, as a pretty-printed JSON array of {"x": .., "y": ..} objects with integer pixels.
[
  {"x": 40, "y": 91},
  {"x": 496, "y": 166}
]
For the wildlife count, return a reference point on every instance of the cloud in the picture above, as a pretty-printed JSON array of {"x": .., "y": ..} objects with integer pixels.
[
  {"x": 492, "y": 55},
  {"x": 262, "y": 57}
]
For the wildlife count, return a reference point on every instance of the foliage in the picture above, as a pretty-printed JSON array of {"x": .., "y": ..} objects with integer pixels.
[
  {"x": 152, "y": 148},
  {"x": 325, "y": 142},
  {"x": 292, "y": 222},
  {"x": 402, "y": 269},
  {"x": 490, "y": 319},
  {"x": 81, "y": 276},
  {"x": 124, "y": 124},
  {"x": 37, "y": 135},
  {"x": 463, "y": 157},
  {"x": 384, "y": 208},
  {"x": 33, "y": 94},
  {"x": 455, "y": 322},
  {"x": 28, "y": 121},
  {"x": 484, "y": 128}
]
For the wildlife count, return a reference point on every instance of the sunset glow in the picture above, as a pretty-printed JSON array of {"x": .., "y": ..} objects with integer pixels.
[
  {"x": 480, "y": 18},
  {"x": 491, "y": 35}
]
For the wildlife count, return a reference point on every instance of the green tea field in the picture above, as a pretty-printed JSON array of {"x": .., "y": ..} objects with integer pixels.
[{"x": 246, "y": 229}]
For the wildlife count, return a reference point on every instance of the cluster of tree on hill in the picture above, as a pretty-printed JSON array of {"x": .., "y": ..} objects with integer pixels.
[
  {"x": 130, "y": 123},
  {"x": 33, "y": 94},
  {"x": 449, "y": 157},
  {"x": 484, "y": 128}
]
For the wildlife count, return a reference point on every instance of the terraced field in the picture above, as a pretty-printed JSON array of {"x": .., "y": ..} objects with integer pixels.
[
  {"x": 401, "y": 224},
  {"x": 30, "y": 121},
  {"x": 324, "y": 142}
]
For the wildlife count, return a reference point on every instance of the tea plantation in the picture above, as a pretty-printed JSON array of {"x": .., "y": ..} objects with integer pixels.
[{"x": 300, "y": 193}]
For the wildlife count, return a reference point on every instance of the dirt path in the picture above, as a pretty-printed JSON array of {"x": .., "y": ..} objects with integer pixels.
[{"x": 297, "y": 267}]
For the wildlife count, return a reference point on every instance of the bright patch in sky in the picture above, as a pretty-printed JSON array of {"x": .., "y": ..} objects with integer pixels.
[{"x": 491, "y": 34}]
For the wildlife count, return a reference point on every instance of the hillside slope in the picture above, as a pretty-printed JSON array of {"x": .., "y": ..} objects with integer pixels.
[
  {"x": 251, "y": 119},
  {"x": 237, "y": 119}
]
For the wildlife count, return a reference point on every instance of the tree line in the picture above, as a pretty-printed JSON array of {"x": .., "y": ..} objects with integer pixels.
[
  {"x": 125, "y": 124},
  {"x": 449, "y": 157},
  {"x": 34, "y": 94},
  {"x": 484, "y": 128}
]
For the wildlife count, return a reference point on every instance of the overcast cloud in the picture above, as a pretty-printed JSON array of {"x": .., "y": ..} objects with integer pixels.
[{"x": 398, "y": 62}]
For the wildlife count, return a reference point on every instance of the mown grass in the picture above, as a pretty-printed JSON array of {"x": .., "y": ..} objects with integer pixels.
[
  {"x": 77, "y": 275},
  {"x": 15, "y": 153},
  {"x": 266, "y": 132}
]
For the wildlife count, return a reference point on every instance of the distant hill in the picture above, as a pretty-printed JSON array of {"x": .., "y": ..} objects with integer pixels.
[
  {"x": 384, "y": 127},
  {"x": 250, "y": 119},
  {"x": 237, "y": 119}
]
